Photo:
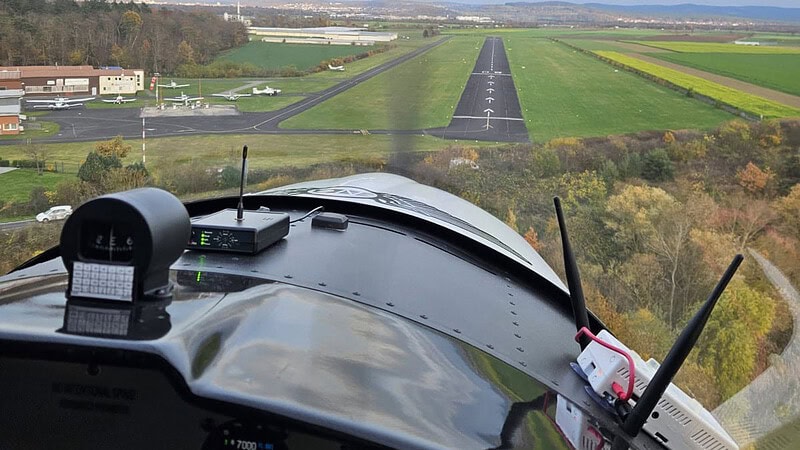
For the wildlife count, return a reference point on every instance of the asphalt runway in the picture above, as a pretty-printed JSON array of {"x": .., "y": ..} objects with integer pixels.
[
  {"x": 489, "y": 107},
  {"x": 80, "y": 125}
]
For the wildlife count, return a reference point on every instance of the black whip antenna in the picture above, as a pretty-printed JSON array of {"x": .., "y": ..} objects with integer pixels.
[
  {"x": 677, "y": 355},
  {"x": 573, "y": 278},
  {"x": 240, "y": 207}
]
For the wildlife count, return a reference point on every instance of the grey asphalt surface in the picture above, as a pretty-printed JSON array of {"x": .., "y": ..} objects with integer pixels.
[
  {"x": 489, "y": 108},
  {"x": 8, "y": 226},
  {"x": 79, "y": 125}
]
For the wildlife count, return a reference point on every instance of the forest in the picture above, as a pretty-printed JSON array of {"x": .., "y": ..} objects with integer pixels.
[{"x": 102, "y": 33}]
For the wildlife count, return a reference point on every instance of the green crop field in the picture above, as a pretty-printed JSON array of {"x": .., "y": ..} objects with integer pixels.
[
  {"x": 742, "y": 100},
  {"x": 566, "y": 93},
  {"x": 592, "y": 45},
  {"x": 780, "y": 72},
  {"x": 420, "y": 93},
  {"x": 16, "y": 186},
  {"x": 270, "y": 55},
  {"x": 711, "y": 47}
]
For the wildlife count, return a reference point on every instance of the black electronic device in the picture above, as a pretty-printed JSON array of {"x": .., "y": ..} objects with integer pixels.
[
  {"x": 222, "y": 231},
  {"x": 331, "y": 221},
  {"x": 120, "y": 246},
  {"x": 237, "y": 230}
]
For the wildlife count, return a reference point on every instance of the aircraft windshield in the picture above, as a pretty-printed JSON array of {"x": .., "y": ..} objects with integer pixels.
[{"x": 671, "y": 134}]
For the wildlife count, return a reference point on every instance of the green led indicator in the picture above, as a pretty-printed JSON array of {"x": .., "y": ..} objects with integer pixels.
[{"x": 198, "y": 276}]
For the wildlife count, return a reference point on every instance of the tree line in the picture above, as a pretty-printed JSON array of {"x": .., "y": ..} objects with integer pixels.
[
  {"x": 102, "y": 33},
  {"x": 654, "y": 218}
]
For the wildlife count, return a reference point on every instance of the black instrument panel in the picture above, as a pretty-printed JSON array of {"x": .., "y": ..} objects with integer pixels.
[{"x": 51, "y": 404}]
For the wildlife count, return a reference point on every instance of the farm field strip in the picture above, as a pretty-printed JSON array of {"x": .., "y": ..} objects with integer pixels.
[
  {"x": 780, "y": 72},
  {"x": 742, "y": 100},
  {"x": 565, "y": 93},
  {"x": 712, "y": 47}
]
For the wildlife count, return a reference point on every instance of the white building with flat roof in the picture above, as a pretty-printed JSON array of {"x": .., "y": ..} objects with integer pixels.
[{"x": 322, "y": 35}]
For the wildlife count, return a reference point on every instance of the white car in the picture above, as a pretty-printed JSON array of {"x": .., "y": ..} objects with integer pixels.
[{"x": 54, "y": 213}]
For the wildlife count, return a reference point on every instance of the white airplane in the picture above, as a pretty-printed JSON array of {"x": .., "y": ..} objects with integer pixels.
[
  {"x": 267, "y": 91},
  {"x": 185, "y": 99},
  {"x": 231, "y": 96},
  {"x": 118, "y": 100},
  {"x": 339, "y": 68},
  {"x": 173, "y": 85},
  {"x": 59, "y": 103}
]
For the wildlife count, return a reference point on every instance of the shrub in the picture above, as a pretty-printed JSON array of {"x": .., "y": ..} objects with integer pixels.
[{"x": 656, "y": 166}]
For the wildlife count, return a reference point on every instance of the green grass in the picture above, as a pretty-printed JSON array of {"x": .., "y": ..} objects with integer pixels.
[
  {"x": 420, "y": 93},
  {"x": 259, "y": 103},
  {"x": 592, "y": 45},
  {"x": 16, "y": 186},
  {"x": 566, "y": 93},
  {"x": 780, "y": 72},
  {"x": 712, "y": 47},
  {"x": 742, "y": 100},
  {"x": 268, "y": 55},
  {"x": 265, "y": 150}
]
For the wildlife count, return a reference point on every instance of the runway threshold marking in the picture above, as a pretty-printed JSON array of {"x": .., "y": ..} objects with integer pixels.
[{"x": 492, "y": 117}]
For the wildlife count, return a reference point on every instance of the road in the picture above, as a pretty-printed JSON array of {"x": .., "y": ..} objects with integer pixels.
[
  {"x": 489, "y": 107},
  {"x": 80, "y": 125},
  {"x": 8, "y": 226},
  {"x": 773, "y": 398}
]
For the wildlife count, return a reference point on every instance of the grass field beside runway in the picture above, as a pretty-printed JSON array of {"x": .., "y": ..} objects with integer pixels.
[
  {"x": 779, "y": 72},
  {"x": 420, "y": 93},
  {"x": 304, "y": 56},
  {"x": 588, "y": 44},
  {"x": 566, "y": 93},
  {"x": 270, "y": 55}
]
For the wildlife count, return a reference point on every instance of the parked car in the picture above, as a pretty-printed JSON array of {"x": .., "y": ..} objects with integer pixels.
[{"x": 54, "y": 213}]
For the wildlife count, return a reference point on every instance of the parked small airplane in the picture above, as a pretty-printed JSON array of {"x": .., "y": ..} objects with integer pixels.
[
  {"x": 231, "y": 96},
  {"x": 59, "y": 103},
  {"x": 267, "y": 91},
  {"x": 173, "y": 85},
  {"x": 118, "y": 100},
  {"x": 339, "y": 68},
  {"x": 185, "y": 99}
]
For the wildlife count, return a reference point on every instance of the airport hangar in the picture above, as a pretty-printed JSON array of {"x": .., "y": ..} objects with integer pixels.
[{"x": 71, "y": 80}]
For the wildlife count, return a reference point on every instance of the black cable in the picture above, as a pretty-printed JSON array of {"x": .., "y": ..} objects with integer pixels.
[{"x": 317, "y": 209}]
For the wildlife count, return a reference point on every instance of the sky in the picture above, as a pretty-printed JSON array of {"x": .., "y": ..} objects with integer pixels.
[{"x": 783, "y": 3}]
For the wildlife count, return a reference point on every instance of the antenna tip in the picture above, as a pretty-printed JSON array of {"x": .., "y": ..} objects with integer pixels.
[{"x": 244, "y": 152}]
